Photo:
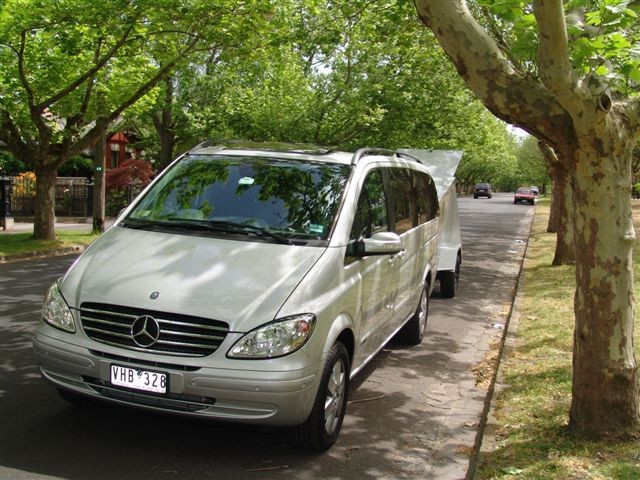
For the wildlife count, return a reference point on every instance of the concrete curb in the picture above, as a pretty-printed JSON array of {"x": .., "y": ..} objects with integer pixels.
[{"x": 485, "y": 440}]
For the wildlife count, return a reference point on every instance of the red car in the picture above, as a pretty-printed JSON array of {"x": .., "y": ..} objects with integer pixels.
[{"x": 524, "y": 195}]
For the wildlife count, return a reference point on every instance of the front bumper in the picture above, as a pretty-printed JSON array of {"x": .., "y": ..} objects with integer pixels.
[{"x": 280, "y": 398}]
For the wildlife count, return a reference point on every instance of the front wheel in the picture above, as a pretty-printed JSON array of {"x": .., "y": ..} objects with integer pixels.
[
  {"x": 320, "y": 431},
  {"x": 413, "y": 331}
]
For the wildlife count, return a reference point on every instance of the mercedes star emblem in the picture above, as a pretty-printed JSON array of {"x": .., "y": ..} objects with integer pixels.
[{"x": 145, "y": 331}]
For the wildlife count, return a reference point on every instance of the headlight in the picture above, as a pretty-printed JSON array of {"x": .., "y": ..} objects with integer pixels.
[
  {"x": 278, "y": 338},
  {"x": 56, "y": 311}
]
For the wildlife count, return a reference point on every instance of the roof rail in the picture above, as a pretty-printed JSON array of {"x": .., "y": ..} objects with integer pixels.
[
  {"x": 280, "y": 147},
  {"x": 409, "y": 157},
  {"x": 362, "y": 152},
  {"x": 380, "y": 151},
  {"x": 206, "y": 143}
]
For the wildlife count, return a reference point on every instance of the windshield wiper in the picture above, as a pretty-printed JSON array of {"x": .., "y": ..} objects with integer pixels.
[
  {"x": 207, "y": 225},
  {"x": 225, "y": 226},
  {"x": 140, "y": 223},
  {"x": 253, "y": 228}
]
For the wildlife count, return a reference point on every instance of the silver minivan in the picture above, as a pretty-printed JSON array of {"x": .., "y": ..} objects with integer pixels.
[{"x": 248, "y": 284}]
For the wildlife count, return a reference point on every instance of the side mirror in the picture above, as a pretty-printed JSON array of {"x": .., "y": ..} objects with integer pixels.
[{"x": 382, "y": 243}]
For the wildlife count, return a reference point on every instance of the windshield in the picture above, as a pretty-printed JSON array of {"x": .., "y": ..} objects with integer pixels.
[{"x": 268, "y": 196}]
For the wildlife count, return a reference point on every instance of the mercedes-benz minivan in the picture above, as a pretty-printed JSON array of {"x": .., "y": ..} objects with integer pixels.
[{"x": 248, "y": 284}]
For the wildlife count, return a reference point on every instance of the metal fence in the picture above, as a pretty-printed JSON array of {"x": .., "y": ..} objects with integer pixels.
[{"x": 73, "y": 197}]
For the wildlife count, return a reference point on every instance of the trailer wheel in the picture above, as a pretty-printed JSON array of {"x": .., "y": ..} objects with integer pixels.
[{"x": 449, "y": 281}]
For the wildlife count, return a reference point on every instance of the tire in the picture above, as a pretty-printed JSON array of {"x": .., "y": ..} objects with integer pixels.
[
  {"x": 320, "y": 431},
  {"x": 413, "y": 331},
  {"x": 76, "y": 399},
  {"x": 449, "y": 281},
  {"x": 515, "y": 202},
  {"x": 475, "y": 196}
]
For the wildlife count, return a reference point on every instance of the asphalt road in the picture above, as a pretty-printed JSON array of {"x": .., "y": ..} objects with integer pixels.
[{"x": 413, "y": 412}]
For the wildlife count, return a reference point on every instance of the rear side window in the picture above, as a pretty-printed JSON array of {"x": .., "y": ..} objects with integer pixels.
[
  {"x": 415, "y": 200},
  {"x": 428, "y": 207}
]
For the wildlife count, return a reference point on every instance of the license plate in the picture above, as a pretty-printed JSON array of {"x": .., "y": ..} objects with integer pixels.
[{"x": 138, "y": 379}]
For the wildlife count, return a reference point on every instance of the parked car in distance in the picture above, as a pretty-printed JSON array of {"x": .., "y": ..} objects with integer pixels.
[
  {"x": 535, "y": 190},
  {"x": 250, "y": 283},
  {"x": 524, "y": 195},
  {"x": 482, "y": 190}
]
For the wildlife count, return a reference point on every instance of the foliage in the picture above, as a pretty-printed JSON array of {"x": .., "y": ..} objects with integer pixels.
[
  {"x": 531, "y": 167},
  {"x": 123, "y": 182},
  {"x": 604, "y": 39},
  {"x": 131, "y": 173},
  {"x": 10, "y": 165},
  {"x": 77, "y": 166},
  {"x": 333, "y": 75},
  {"x": 115, "y": 201},
  {"x": 24, "y": 185},
  {"x": 69, "y": 70}
]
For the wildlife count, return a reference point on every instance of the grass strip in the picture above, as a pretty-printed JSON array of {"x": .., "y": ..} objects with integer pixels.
[
  {"x": 19, "y": 245},
  {"x": 533, "y": 409}
]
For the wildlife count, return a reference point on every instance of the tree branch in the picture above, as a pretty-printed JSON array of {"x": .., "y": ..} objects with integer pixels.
[
  {"x": 89, "y": 73},
  {"x": 491, "y": 76},
  {"x": 554, "y": 63},
  {"x": 90, "y": 137},
  {"x": 10, "y": 134}
]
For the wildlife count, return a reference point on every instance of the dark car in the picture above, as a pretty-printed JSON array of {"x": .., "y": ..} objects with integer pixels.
[
  {"x": 524, "y": 195},
  {"x": 482, "y": 190}
]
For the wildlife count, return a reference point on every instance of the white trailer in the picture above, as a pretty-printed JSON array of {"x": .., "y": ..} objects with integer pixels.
[{"x": 442, "y": 165}]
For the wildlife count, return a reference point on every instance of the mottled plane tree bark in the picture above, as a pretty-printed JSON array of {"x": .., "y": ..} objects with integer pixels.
[
  {"x": 594, "y": 136},
  {"x": 561, "y": 218}
]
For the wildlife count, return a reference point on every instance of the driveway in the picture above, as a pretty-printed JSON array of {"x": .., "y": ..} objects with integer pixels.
[{"x": 413, "y": 412}]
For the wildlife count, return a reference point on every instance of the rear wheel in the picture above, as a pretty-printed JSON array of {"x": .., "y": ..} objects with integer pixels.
[
  {"x": 449, "y": 281},
  {"x": 413, "y": 331},
  {"x": 321, "y": 429}
]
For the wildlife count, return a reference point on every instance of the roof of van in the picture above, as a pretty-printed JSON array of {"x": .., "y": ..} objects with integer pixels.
[
  {"x": 309, "y": 154},
  {"x": 440, "y": 164}
]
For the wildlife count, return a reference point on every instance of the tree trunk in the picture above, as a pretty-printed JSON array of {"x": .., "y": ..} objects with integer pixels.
[
  {"x": 45, "y": 213},
  {"x": 167, "y": 141},
  {"x": 99, "y": 187},
  {"x": 561, "y": 217},
  {"x": 562, "y": 203},
  {"x": 605, "y": 374}
]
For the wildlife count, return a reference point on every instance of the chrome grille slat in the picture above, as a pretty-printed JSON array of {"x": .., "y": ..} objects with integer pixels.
[
  {"x": 192, "y": 335},
  {"x": 185, "y": 344},
  {"x": 184, "y": 324},
  {"x": 107, "y": 332},
  {"x": 111, "y": 314},
  {"x": 106, "y": 322},
  {"x": 180, "y": 335}
]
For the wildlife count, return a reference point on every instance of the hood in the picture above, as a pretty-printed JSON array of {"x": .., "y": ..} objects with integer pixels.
[{"x": 243, "y": 283}]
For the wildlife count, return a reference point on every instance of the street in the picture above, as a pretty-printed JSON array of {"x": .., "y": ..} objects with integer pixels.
[{"x": 413, "y": 412}]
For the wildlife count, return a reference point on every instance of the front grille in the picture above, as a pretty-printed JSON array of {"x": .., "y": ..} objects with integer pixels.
[{"x": 181, "y": 335}]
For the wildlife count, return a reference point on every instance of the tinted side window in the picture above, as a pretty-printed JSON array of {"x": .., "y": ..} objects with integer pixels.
[
  {"x": 427, "y": 197},
  {"x": 405, "y": 199},
  {"x": 371, "y": 214}
]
